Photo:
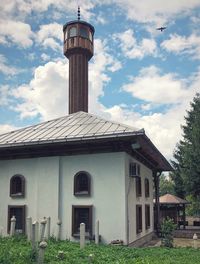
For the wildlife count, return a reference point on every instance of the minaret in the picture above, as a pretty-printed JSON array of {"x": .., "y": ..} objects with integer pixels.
[{"x": 78, "y": 48}]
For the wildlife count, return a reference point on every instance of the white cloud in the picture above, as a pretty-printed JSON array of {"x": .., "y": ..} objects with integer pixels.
[
  {"x": 50, "y": 36},
  {"x": 53, "y": 30},
  {"x": 156, "y": 12},
  {"x": 151, "y": 86},
  {"x": 17, "y": 32},
  {"x": 45, "y": 57},
  {"x": 4, "y": 128},
  {"x": 133, "y": 49},
  {"x": 4, "y": 95},
  {"x": 183, "y": 45},
  {"x": 46, "y": 94},
  {"x": 164, "y": 129},
  {"x": 7, "y": 69},
  {"x": 99, "y": 68},
  {"x": 20, "y": 9}
]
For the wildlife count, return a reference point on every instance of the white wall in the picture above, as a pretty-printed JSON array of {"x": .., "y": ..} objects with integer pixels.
[
  {"x": 42, "y": 174},
  {"x": 107, "y": 172},
  {"x": 111, "y": 188},
  {"x": 132, "y": 201},
  {"x": 41, "y": 188}
]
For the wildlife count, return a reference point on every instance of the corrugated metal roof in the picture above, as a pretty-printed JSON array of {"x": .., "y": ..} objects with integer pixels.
[{"x": 77, "y": 126}]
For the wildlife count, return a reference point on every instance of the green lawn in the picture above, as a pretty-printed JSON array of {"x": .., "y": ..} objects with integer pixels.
[{"x": 18, "y": 251}]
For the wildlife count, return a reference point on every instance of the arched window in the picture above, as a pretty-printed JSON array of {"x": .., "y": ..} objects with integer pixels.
[
  {"x": 82, "y": 183},
  {"x": 72, "y": 32},
  {"x": 146, "y": 185},
  {"x": 17, "y": 186}
]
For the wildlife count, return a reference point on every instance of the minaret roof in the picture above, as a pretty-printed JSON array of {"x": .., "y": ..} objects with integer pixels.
[{"x": 78, "y": 22}]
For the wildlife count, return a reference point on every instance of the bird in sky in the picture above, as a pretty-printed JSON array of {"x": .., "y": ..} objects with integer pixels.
[{"x": 161, "y": 28}]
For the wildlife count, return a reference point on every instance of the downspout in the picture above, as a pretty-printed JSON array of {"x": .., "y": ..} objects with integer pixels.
[
  {"x": 127, "y": 210},
  {"x": 156, "y": 176},
  {"x": 60, "y": 182}
]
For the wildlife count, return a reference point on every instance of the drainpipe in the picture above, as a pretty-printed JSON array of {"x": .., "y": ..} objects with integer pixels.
[
  {"x": 127, "y": 210},
  {"x": 60, "y": 182},
  {"x": 156, "y": 176}
]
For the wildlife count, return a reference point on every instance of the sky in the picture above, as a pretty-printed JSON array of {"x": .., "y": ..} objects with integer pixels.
[{"x": 138, "y": 75}]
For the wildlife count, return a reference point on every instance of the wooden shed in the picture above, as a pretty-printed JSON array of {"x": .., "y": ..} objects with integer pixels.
[{"x": 173, "y": 207}]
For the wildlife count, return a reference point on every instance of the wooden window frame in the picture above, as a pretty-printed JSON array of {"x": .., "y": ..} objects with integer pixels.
[
  {"x": 85, "y": 29},
  {"x": 75, "y": 233},
  {"x": 134, "y": 169},
  {"x": 147, "y": 216},
  {"x": 23, "y": 207},
  {"x": 76, "y": 178},
  {"x": 146, "y": 186},
  {"x": 73, "y": 28},
  {"x": 13, "y": 193},
  {"x": 138, "y": 186},
  {"x": 138, "y": 219}
]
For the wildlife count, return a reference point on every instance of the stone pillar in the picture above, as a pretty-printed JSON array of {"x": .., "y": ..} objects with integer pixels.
[
  {"x": 97, "y": 232},
  {"x": 42, "y": 247},
  {"x": 36, "y": 231},
  {"x": 58, "y": 235},
  {"x": 82, "y": 235},
  {"x": 29, "y": 228},
  {"x": 33, "y": 236},
  {"x": 42, "y": 228},
  {"x": 195, "y": 241},
  {"x": 12, "y": 226},
  {"x": 48, "y": 228}
]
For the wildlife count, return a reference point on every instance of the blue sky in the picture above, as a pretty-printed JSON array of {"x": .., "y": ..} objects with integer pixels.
[{"x": 138, "y": 75}]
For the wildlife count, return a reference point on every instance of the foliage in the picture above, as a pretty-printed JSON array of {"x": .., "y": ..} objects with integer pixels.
[
  {"x": 166, "y": 185},
  {"x": 17, "y": 251},
  {"x": 193, "y": 209},
  {"x": 167, "y": 228},
  {"x": 187, "y": 153}
]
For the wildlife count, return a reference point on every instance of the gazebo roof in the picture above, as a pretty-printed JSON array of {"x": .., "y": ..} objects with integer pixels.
[{"x": 172, "y": 199}]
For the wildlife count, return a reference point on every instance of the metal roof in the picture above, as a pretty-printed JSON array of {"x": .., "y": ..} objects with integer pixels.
[
  {"x": 74, "y": 127},
  {"x": 171, "y": 199}
]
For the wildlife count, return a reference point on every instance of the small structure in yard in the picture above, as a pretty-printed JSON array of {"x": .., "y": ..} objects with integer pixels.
[{"x": 173, "y": 207}]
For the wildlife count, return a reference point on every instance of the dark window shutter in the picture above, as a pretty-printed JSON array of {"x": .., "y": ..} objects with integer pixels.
[
  {"x": 17, "y": 186},
  {"x": 82, "y": 184},
  {"x": 138, "y": 219},
  {"x": 81, "y": 214},
  {"x": 147, "y": 216},
  {"x": 146, "y": 183},
  {"x": 138, "y": 187}
]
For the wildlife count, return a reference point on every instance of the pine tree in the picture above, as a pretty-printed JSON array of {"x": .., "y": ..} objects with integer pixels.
[{"x": 187, "y": 153}]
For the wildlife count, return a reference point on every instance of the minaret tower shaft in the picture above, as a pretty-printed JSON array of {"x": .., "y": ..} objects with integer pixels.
[{"x": 78, "y": 48}]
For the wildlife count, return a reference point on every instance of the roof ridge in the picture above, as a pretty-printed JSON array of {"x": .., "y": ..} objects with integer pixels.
[{"x": 73, "y": 114}]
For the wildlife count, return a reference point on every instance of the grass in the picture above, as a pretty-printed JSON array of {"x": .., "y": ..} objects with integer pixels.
[{"x": 18, "y": 251}]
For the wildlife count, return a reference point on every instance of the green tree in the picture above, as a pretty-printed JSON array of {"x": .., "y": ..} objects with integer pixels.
[
  {"x": 187, "y": 153},
  {"x": 193, "y": 209},
  {"x": 166, "y": 185}
]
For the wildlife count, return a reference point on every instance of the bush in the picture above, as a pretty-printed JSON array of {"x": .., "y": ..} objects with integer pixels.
[{"x": 167, "y": 228}]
